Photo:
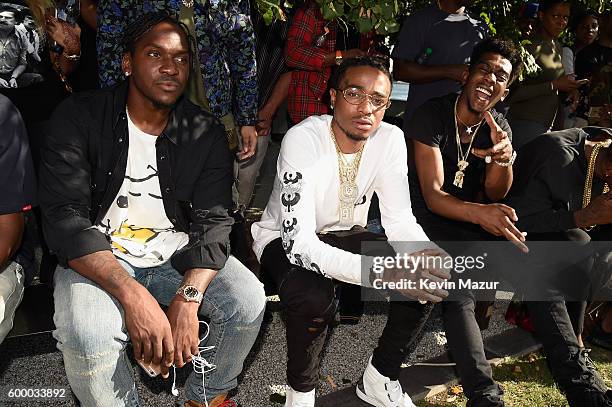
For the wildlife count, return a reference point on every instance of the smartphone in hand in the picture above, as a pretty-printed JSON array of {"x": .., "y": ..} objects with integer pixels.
[{"x": 151, "y": 370}]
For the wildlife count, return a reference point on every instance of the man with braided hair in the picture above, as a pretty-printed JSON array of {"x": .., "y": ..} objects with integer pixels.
[
  {"x": 311, "y": 231},
  {"x": 135, "y": 190}
]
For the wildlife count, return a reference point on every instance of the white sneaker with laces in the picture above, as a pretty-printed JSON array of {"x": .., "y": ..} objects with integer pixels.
[
  {"x": 296, "y": 398},
  {"x": 380, "y": 391}
]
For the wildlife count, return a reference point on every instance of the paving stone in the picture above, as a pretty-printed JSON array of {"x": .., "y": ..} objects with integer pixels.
[{"x": 514, "y": 342}]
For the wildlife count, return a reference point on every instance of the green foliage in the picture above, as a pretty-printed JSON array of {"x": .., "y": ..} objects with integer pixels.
[
  {"x": 501, "y": 17},
  {"x": 366, "y": 15},
  {"x": 272, "y": 10},
  {"x": 386, "y": 16}
]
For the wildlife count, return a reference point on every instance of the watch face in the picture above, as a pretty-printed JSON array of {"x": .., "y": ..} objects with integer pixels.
[{"x": 191, "y": 292}]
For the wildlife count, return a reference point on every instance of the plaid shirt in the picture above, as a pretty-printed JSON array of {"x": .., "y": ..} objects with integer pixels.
[{"x": 309, "y": 77}]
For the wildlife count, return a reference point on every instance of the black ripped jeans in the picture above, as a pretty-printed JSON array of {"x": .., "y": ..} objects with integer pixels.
[{"x": 311, "y": 303}]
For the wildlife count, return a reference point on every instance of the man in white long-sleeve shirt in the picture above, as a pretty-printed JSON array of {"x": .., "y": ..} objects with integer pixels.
[{"x": 311, "y": 231}]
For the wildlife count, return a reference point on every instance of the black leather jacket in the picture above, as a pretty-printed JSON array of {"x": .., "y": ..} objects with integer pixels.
[{"x": 84, "y": 158}]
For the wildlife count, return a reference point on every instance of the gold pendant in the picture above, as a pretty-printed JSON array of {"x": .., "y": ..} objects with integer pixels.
[
  {"x": 459, "y": 175},
  {"x": 348, "y": 192},
  {"x": 458, "y": 182},
  {"x": 346, "y": 213},
  {"x": 348, "y": 195}
]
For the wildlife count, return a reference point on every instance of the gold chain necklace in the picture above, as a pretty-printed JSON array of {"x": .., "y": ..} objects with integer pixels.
[
  {"x": 462, "y": 162},
  {"x": 348, "y": 192},
  {"x": 588, "y": 183}
]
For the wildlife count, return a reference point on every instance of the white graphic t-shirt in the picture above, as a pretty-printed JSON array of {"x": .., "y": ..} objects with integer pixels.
[{"x": 136, "y": 222}]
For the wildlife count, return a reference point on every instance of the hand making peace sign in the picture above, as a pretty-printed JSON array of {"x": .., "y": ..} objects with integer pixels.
[{"x": 502, "y": 146}]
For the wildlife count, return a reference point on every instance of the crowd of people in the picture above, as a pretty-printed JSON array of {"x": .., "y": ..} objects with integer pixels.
[{"x": 133, "y": 132}]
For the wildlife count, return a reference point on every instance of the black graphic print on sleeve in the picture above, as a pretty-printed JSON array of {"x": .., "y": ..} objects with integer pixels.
[{"x": 291, "y": 189}]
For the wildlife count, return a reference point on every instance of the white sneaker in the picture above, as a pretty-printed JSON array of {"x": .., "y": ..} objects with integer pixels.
[
  {"x": 380, "y": 391},
  {"x": 296, "y": 398}
]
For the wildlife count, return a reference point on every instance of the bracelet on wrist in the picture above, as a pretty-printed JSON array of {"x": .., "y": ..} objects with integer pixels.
[
  {"x": 71, "y": 57},
  {"x": 507, "y": 163}
]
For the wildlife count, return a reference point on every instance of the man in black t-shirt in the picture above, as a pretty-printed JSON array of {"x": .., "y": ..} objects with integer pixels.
[
  {"x": 452, "y": 197},
  {"x": 462, "y": 159},
  {"x": 18, "y": 195}
]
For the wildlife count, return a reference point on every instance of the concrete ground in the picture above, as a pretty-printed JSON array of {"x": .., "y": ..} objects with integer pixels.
[{"x": 34, "y": 362}]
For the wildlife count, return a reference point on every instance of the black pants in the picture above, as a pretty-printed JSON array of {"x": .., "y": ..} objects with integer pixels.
[
  {"x": 310, "y": 304},
  {"x": 557, "y": 325},
  {"x": 574, "y": 310},
  {"x": 467, "y": 349},
  {"x": 462, "y": 330},
  {"x": 565, "y": 358}
]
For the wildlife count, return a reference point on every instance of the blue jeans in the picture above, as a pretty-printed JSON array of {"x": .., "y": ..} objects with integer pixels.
[{"x": 91, "y": 333}]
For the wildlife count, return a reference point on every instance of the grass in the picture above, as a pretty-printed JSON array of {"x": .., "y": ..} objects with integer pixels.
[{"x": 527, "y": 382}]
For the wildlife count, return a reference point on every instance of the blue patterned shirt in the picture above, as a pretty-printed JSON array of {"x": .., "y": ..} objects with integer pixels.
[{"x": 226, "y": 49}]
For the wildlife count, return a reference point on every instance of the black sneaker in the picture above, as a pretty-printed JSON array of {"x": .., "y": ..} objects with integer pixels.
[
  {"x": 486, "y": 401},
  {"x": 490, "y": 397},
  {"x": 588, "y": 397},
  {"x": 600, "y": 338}
]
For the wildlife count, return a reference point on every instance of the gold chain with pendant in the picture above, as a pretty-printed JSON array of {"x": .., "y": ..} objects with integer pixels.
[
  {"x": 588, "y": 183},
  {"x": 462, "y": 159},
  {"x": 348, "y": 192}
]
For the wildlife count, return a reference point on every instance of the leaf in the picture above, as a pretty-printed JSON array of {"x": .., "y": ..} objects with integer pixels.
[
  {"x": 386, "y": 10},
  {"x": 392, "y": 27},
  {"x": 268, "y": 16},
  {"x": 456, "y": 390},
  {"x": 277, "y": 398},
  {"x": 339, "y": 7},
  {"x": 331, "y": 382},
  {"x": 327, "y": 10}
]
